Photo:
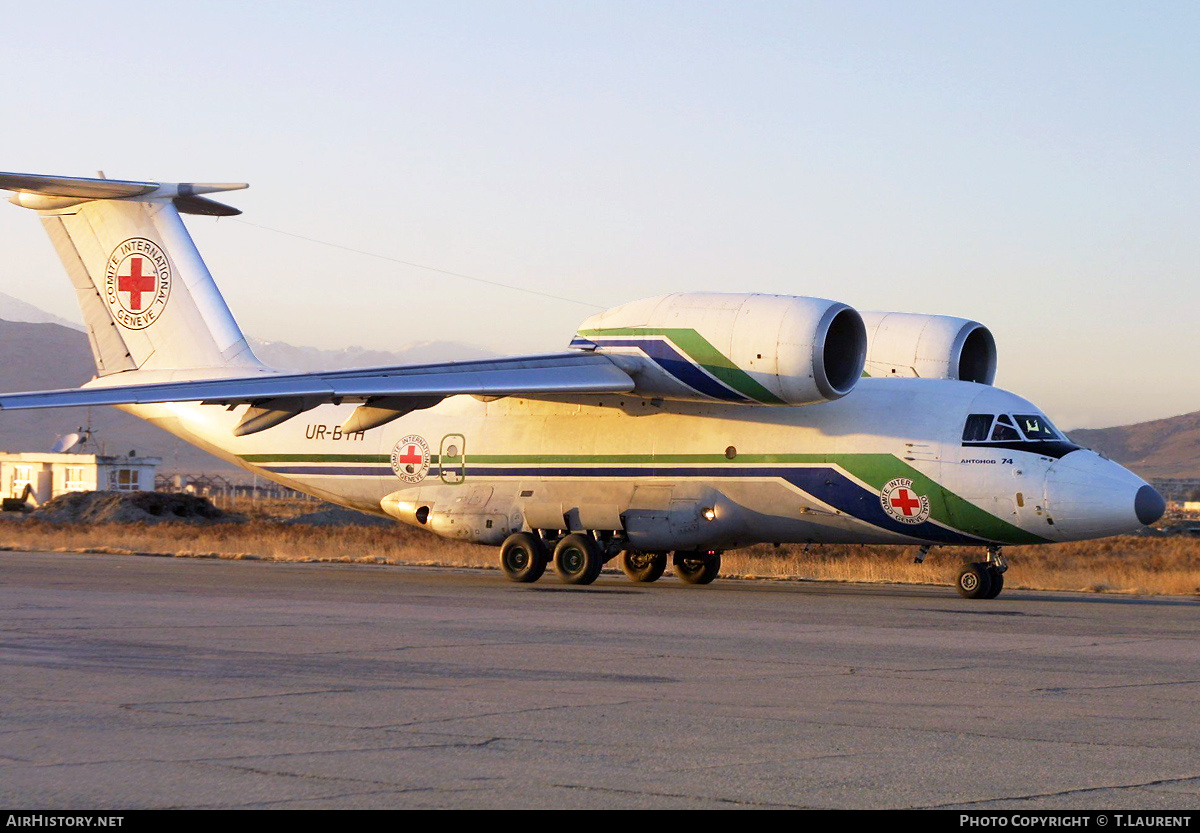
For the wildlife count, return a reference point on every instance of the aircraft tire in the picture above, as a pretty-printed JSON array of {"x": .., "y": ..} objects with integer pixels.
[
  {"x": 523, "y": 557},
  {"x": 577, "y": 559},
  {"x": 695, "y": 567},
  {"x": 974, "y": 582},
  {"x": 997, "y": 584},
  {"x": 643, "y": 566}
]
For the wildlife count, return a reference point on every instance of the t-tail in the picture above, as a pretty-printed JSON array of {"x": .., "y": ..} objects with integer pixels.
[{"x": 148, "y": 300}]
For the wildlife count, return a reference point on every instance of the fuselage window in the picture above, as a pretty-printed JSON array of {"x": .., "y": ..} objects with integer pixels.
[
  {"x": 1036, "y": 427},
  {"x": 977, "y": 426}
]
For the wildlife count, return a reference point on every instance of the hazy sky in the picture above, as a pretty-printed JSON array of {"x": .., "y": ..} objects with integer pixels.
[{"x": 1033, "y": 166}]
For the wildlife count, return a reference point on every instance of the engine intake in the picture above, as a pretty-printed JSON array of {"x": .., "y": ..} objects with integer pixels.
[
  {"x": 747, "y": 348},
  {"x": 929, "y": 346}
]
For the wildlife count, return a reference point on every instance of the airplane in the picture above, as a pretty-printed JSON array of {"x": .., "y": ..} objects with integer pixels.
[{"x": 672, "y": 428}]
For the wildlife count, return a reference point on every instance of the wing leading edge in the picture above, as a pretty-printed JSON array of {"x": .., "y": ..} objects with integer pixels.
[{"x": 384, "y": 393}]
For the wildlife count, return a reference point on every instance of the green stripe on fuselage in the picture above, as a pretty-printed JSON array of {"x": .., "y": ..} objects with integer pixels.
[{"x": 875, "y": 470}]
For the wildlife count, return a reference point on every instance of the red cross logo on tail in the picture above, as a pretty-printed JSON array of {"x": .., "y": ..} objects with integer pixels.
[
  {"x": 410, "y": 459},
  {"x": 137, "y": 282},
  {"x": 901, "y": 501}
]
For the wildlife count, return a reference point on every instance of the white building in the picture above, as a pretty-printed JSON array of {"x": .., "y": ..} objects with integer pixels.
[{"x": 49, "y": 475}]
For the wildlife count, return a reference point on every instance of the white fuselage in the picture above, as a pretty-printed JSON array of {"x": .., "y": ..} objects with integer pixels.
[{"x": 885, "y": 464}]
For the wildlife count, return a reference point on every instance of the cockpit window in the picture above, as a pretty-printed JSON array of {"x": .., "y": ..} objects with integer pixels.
[
  {"x": 1005, "y": 433},
  {"x": 977, "y": 427},
  {"x": 1036, "y": 427},
  {"x": 1009, "y": 428}
]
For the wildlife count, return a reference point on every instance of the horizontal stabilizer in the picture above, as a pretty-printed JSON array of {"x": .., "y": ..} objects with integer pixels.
[
  {"x": 71, "y": 186},
  {"x": 43, "y": 192}
]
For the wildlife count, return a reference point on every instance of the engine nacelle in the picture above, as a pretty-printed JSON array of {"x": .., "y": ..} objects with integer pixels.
[
  {"x": 747, "y": 348},
  {"x": 929, "y": 346}
]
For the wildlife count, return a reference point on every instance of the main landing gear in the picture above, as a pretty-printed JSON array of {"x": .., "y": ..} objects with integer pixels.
[
  {"x": 578, "y": 558},
  {"x": 643, "y": 566},
  {"x": 983, "y": 579},
  {"x": 697, "y": 567},
  {"x": 523, "y": 557}
]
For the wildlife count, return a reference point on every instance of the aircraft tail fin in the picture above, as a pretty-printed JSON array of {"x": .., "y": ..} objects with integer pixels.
[{"x": 148, "y": 300}]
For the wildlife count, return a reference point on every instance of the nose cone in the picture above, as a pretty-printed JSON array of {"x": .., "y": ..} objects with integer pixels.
[
  {"x": 1148, "y": 505},
  {"x": 1088, "y": 496}
]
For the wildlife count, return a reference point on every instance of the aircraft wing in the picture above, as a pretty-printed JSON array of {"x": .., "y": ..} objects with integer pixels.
[{"x": 385, "y": 393}]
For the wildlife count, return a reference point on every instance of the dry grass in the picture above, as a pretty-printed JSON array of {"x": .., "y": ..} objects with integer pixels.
[
  {"x": 1126, "y": 564},
  {"x": 262, "y": 539},
  {"x": 1133, "y": 564}
]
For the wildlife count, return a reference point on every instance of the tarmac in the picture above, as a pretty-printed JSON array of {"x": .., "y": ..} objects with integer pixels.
[{"x": 133, "y": 682}]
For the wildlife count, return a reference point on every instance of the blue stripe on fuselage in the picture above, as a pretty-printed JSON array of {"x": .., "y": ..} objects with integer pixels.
[{"x": 827, "y": 485}]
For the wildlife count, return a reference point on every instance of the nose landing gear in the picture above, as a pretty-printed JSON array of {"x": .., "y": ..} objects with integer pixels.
[{"x": 983, "y": 579}]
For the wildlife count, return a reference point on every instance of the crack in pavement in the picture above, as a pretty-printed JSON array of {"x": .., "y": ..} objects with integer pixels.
[
  {"x": 283, "y": 802},
  {"x": 1059, "y": 689},
  {"x": 1056, "y": 794},
  {"x": 265, "y": 756},
  {"x": 957, "y": 732},
  {"x": 306, "y": 693},
  {"x": 558, "y": 707},
  {"x": 714, "y": 799}
]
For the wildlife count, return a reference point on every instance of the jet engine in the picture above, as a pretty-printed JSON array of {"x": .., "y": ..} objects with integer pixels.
[
  {"x": 745, "y": 348},
  {"x": 929, "y": 346}
]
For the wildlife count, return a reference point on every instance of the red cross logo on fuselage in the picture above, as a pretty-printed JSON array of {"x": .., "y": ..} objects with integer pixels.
[
  {"x": 906, "y": 502},
  {"x": 411, "y": 456},
  {"x": 135, "y": 283}
]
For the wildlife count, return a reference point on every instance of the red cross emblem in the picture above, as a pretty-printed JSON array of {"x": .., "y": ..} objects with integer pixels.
[
  {"x": 905, "y": 501},
  {"x": 135, "y": 283},
  {"x": 902, "y": 503},
  {"x": 410, "y": 458}
]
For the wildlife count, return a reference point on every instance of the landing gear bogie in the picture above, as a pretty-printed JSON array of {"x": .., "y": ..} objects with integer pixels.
[
  {"x": 523, "y": 557},
  {"x": 578, "y": 559},
  {"x": 643, "y": 566},
  {"x": 696, "y": 567}
]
